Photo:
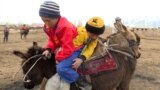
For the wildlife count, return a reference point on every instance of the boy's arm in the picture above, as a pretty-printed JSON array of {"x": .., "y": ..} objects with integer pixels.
[
  {"x": 50, "y": 42},
  {"x": 50, "y": 45},
  {"x": 88, "y": 51},
  {"x": 67, "y": 46}
]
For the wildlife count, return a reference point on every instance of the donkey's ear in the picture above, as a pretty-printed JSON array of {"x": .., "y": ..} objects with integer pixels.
[
  {"x": 35, "y": 44},
  {"x": 124, "y": 28},
  {"x": 137, "y": 37},
  {"x": 19, "y": 54}
]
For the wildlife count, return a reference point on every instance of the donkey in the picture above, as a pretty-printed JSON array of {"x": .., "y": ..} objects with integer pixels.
[
  {"x": 120, "y": 78},
  {"x": 24, "y": 33}
]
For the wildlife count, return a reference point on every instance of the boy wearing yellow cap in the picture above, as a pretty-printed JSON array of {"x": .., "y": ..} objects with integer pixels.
[{"x": 88, "y": 37}]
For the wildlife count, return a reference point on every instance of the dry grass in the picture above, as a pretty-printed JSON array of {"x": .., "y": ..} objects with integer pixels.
[{"x": 147, "y": 75}]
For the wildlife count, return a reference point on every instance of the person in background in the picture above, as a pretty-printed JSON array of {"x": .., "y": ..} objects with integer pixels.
[
  {"x": 6, "y": 34},
  {"x": 117, "y": 24}
]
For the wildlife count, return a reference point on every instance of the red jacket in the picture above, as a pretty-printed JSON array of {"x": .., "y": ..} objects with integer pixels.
[
  {"x": 61, "y": 37},
  {"x": 24, "y": 28}
]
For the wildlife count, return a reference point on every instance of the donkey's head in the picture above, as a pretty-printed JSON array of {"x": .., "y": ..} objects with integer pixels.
[
  {"x": 134, "y": 41},
  {"x": 127, "y": 41},
  {"x": 40, "y": 69}
]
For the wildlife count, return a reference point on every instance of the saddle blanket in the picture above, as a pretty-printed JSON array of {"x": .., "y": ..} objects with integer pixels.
[{"x": 101, "y": 64}]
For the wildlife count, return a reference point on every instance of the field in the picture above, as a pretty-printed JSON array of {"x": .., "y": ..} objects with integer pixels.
[{"x": 146, "y": 77}]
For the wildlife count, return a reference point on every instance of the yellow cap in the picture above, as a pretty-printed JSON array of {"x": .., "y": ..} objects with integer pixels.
[
  {"x": 96, "y": 22},
  {"x": 95, "y": 25}
]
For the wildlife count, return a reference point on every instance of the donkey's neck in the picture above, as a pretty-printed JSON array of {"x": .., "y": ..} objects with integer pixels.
[{"x": 49, "y": 68}]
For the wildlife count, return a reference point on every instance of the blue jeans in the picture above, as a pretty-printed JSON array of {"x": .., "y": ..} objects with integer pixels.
[{"x": 65, "y": 70}]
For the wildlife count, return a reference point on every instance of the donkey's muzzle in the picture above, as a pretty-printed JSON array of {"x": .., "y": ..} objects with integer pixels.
[{"x": 29, "y": 85}]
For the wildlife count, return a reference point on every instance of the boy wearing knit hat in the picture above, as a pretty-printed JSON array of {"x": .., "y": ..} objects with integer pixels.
[
  {"x": 68, "y": 42},
  {"x": 60, "y": 34}
]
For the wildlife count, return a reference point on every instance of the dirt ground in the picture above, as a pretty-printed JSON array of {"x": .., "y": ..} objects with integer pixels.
[{"x": 146, "y": 77}]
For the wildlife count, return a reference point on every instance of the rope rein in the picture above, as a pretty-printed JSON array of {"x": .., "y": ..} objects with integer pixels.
[
  {"x": 25, "y": 63},
  {"x": 30, "y": 70},
  {"x": 109, "y": 47},
  {"x": 121, "y": 52}
]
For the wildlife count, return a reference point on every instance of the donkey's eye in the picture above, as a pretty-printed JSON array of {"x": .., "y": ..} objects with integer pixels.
[{"x": 132, "y": 43}]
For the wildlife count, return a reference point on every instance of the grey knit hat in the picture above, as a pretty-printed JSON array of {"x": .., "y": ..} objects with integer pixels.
[{"x": 49, "y": 9}]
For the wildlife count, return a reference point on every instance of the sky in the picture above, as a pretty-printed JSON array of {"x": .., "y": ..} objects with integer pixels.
[{"x": 26, "y": 11}]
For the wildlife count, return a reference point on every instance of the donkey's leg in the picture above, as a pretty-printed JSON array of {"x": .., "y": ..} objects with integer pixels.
[
  {"x": 21, "y": 35},
  {"x": 4, "y": 39},
  {"x": 123, "y": 86},
  {"x": 7, "y": 38},
  {"x": 25, "y": 35}
]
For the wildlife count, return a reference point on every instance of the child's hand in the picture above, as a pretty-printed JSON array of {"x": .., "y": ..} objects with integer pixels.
[
  {"x": 57, "y": 62},
  {"x": 46, "y": 53},
  {"x": 77, "y": 63}
]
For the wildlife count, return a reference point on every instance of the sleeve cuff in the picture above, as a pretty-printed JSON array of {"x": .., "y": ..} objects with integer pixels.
[
  {"x": 49, "y": 49},
  {"x": 82, "y": 57}
]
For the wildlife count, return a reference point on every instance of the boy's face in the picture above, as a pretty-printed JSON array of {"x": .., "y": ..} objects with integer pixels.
[
  {"x": 92, "y": 36},
  {"x": 49, "y": 22}
]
